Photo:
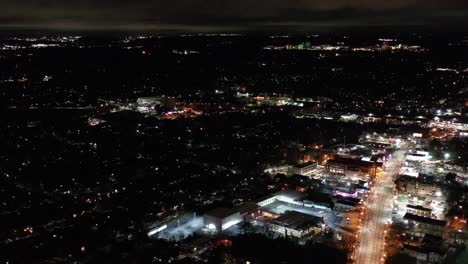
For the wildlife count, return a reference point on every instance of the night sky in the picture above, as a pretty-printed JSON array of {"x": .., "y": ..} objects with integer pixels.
[{"x": 226, "y": 14}]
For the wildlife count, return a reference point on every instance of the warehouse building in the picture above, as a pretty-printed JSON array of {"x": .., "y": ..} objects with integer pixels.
[
  {"x": 305, "y": 168},
  {"x": 297, "y": 224},
  {"x": 221, "y": 218}
]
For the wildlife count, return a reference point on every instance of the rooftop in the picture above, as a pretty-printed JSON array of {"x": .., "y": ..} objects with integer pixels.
[
  {"x": 246, "y": 207},
  {"x": 354, "y": 162},
  {"x": 298, "y": 221},
  {"x": 415, "y": 179},
  {"x": 425, "y": 220},
  {"x": 419, "y": 207},
  {"x": 221, "y": 212},
  {"x": 286, "y": 195}
]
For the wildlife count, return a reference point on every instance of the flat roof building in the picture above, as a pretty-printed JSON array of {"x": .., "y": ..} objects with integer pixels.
[
  {"x": 427, "y": 225},
  {"x": 346, "y": 204},
  {"x": 341, "y": 165},
  {"x": 305, "y": 168},
  {"x": 419, "y": 210},
  {"x": 417, "y": 186},
  {"x": 289, "y": 196},
  {"x": 220, "y": 219},
  {"x": 297, "y": 224}
]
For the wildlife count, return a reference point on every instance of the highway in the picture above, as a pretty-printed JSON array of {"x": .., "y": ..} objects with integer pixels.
[{"x": 371, "y": 235}]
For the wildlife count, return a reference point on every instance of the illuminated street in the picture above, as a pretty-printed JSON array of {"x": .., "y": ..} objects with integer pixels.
[{"x": 371, "y": 242}]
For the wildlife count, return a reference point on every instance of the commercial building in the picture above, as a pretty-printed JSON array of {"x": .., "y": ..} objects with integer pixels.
[
  {"x": 419, "y": 210},
  {"x": 446, "y": 124},
  {"x": 424, "y": 254},
  {"x": 423, "y": 225},
  {"x": 345, "y": 166},
  {"x": 379, "y": 145},
  {"x": 288, "y": 196},
  {"x": 297, "y": 224},
  {"x": 284, "y": 212},
  {"x": 430, "y": 249},
  {"x": 305, "y": 168},
  {"x": 289, "y": 200},
  {"x": 456, "y": 167},
  {"x": 417, "y": 186},
  {"x": 418, "y": 156},
  {"x": 346, "y": 204},
  {"x": 220, "y": 219}
]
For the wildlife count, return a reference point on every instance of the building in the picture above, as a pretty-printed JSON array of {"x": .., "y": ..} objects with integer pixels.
[
  {"x": 419, "y": 210},
  {"x": 346, "y": 204},
  {"x": 417, "y": 186},
  {"x": 430, "y": 249},
  {"x": 288, "y": 196},
  {"x": 305, "y": 168},
  {"x": 379, "y": 145},
  {"x": 297, "y": 224},
  {"x": 418, "y": 156},
  {"x": 220, "y": 219},
  {"x": 424, "y": 254},
  {"x": 345, "y": 166},
  {"x": 423, "y": 225},
  {"x": 288, "y": 213},
  {"x": 456, "y": 167}
]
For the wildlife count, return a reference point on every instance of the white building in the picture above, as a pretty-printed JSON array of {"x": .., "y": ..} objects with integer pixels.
[
  {"x": 305, "y": 168},
  {"x": 288, "y": 196},
  {"x": 220, "y": 219}
]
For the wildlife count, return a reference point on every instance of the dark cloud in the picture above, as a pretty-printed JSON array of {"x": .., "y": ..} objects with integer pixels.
[{"x": 186, "y": 14}]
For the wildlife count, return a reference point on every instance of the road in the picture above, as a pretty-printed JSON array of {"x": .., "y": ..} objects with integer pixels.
[{"x": 371, "y": 236}]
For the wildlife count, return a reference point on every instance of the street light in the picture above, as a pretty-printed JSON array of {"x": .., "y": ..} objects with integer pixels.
[{"x": 446, "y": 155}]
